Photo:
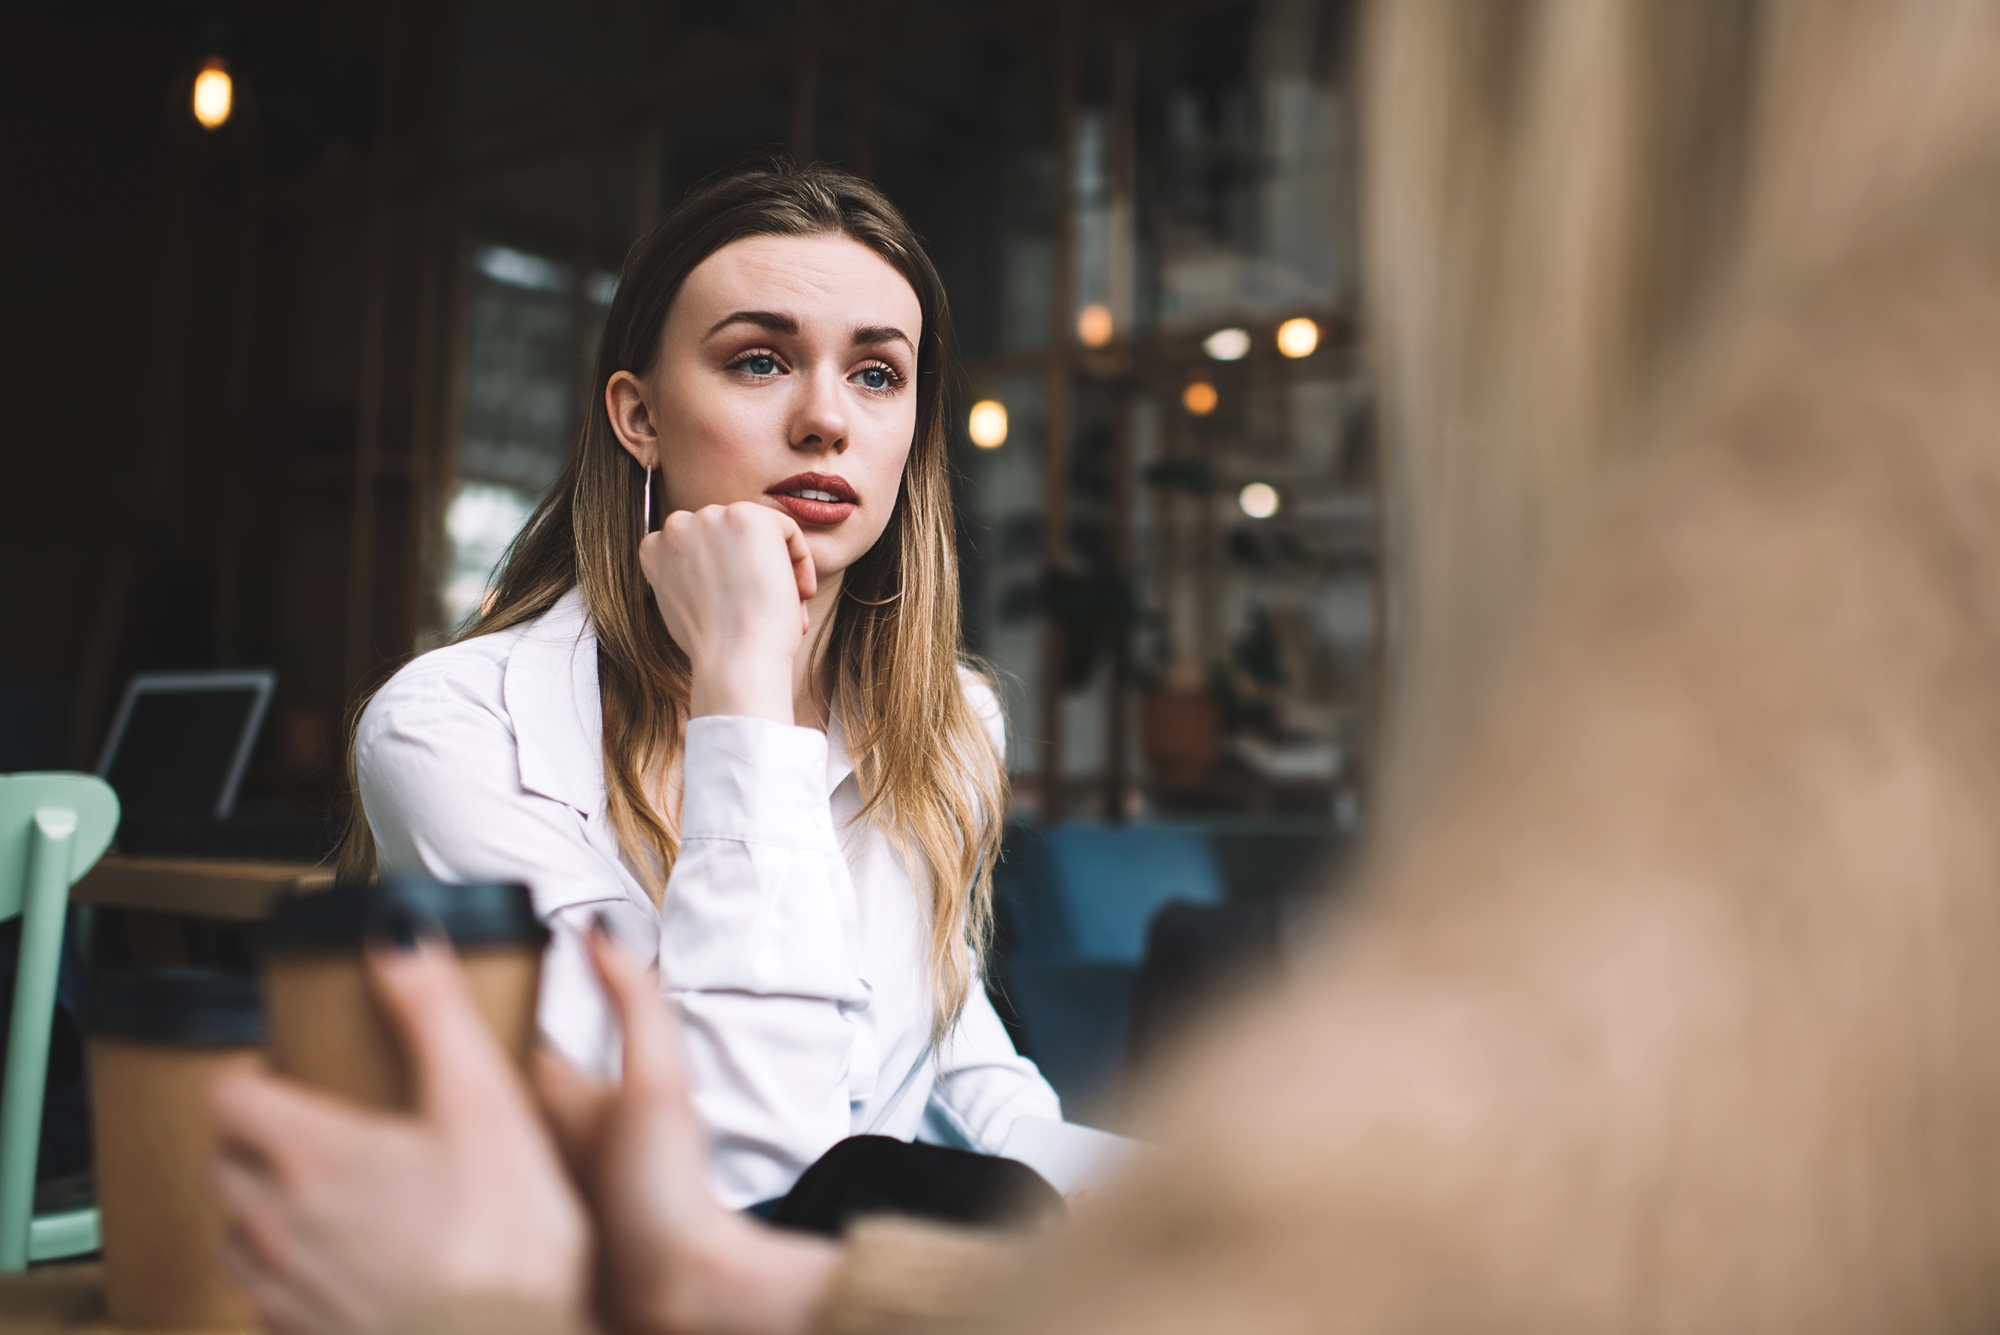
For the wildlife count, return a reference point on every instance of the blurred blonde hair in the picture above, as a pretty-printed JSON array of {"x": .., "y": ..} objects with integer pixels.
[{"x": 1563, "y": 197}]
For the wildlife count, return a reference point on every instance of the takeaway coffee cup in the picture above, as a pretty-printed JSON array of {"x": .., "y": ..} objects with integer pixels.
[
  {"x": 157, "y": 1039},
  {"x": 326, "y": 1028}
]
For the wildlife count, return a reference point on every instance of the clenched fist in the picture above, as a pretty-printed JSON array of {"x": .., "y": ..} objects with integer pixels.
[{"x": 732, "y": 583}]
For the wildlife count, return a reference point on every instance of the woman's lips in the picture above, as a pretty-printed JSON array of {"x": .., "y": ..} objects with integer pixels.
[{"x": 819, "y": 500}]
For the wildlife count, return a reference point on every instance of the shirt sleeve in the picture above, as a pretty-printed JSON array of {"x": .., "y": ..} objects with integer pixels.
[
  {"x": 441, "y": 787},
  {"x": 983, "y": 1084},
  {"x": 760, "y": 950}
]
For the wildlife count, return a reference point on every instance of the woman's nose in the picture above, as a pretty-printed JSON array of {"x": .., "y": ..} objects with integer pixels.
[{"x": 819, "y": 420}]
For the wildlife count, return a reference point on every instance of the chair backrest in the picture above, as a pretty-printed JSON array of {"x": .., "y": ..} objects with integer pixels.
[
  {"x": 74, "y": 817},
  {"x": 1113, "y": 879},
  {"x": 21, "y": 796}
]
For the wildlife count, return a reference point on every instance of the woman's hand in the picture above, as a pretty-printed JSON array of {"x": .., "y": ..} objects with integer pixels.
[
  {"x": 731, "y": 582},
  {"x": 342, "y": 1219},
  {"x": 670, "y": 1258}
]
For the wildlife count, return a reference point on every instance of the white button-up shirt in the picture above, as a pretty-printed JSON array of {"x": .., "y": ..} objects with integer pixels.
[{"x": 790, "y": 938}]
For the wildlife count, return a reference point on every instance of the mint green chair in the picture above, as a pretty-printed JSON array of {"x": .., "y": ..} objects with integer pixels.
[{"x": 53, "y": 829}]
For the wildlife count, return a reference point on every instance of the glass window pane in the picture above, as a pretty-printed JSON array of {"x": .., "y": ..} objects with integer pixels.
[
  {"x": 520, "y": 375},
  {"x": 482, "y": 519}
]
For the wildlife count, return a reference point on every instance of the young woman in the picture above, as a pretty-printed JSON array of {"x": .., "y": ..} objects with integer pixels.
[{"x": 744, "y": 739}]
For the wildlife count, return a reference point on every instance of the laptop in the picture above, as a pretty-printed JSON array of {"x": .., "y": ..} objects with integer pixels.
[{"x": 180, "y": 742}]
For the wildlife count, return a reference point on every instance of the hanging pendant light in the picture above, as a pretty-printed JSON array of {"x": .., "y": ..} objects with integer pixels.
[{"x": 214, "y": 94}]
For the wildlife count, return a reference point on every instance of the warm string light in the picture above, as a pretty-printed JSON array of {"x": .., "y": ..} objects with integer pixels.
[
  {"x": 1199, "y": 398},
  {"x": 987, "y": 424},
  {"x": 1298, "y": 337},
  {"x": 1227, "y": 345},
  {"x": 214, "y": 94},
  {"x": 1093, "y": 325},
  {"x": 1259, "y": 500}
]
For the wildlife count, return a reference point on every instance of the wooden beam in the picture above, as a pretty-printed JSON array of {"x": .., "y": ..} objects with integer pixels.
[
  {"x": 1058, "y": 397},
  {"x": 648, "y": 147},
  {"x": 1177, "y": 349},
  {"x": 583, "y": 346},
  {"x": 457, "y": 333},
  {"x": 805, "y": 81},
  {"x": 377, "y": 208},
  {"x": 1124, "y": 137},
  {"x": 421, "y": 510},
  {"x": 242, "y": 355},
  {"x": 866, "y": 79},
  {"x": 1117, "y": 709},
  {"x": 359, "y": 657}
]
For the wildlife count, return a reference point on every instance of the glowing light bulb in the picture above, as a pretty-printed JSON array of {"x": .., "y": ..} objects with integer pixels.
[
  {"x": 1227, "y": 345},
  {"x": 214, "y": 94},
  {"x": 1093, "y": 325},
  {"x": 1199, "y": 398},
  {"x": 1259, "y": 500},
  {"x": 988, "y": 424},
  {"x": 1298, "y": 337}
]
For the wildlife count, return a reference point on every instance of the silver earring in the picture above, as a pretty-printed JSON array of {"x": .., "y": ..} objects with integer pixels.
[{"x": 646, "y": 512}]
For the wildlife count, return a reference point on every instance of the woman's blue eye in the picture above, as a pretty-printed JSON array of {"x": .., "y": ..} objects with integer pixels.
[
  {"x": 760, "y": 365},
  {"x": 875, "y": 378}
]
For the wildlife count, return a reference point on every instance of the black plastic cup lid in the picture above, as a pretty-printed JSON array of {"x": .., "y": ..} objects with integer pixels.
[
  {"x": 345, "y": 918},
  {"x": 194, "y": 1007}
]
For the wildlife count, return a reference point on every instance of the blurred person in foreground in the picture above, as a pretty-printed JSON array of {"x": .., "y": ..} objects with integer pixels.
[{"x": 1671, "y": 1001}]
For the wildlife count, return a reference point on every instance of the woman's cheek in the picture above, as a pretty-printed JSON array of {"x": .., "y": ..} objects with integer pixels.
[
  {"x": 743, "y": 425},
  {"x": 732, "y": 451},
  {"x": 889, "y": 438}
]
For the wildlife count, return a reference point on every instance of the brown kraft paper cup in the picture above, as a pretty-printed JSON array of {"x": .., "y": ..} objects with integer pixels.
[
  {"x": 157, "y": 1040},
  {"x": 326, "y": 1028}
]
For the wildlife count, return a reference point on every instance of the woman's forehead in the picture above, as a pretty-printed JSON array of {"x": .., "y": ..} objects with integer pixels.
[{"x": 810, "y": 278}]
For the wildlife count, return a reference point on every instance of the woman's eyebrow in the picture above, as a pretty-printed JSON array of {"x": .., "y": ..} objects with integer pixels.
[
  {"x": 771, "y": 320},
  {"x": 882, "y": 333}
]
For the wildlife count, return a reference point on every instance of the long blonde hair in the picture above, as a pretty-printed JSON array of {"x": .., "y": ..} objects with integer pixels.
[{"x": 929, "y": 776}]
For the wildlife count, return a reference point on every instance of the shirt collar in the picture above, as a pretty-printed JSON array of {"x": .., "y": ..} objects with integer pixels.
[{"x": 551, "y": 695}]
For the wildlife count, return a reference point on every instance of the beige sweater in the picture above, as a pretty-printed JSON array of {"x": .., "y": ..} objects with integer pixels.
[{"x": 896, "y": 1276}]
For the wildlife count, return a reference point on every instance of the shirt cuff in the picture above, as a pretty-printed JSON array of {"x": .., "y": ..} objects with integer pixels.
[{"x": 755, "y": 780}]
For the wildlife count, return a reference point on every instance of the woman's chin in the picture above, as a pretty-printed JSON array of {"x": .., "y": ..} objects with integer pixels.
[{"x": 830, "y": 558}]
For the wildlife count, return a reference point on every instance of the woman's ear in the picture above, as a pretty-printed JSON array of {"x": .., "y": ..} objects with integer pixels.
[{"x": 630, "y": 406}]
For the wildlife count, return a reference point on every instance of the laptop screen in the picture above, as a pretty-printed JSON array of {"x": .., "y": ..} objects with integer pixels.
[{"x": 181, "y": 740}]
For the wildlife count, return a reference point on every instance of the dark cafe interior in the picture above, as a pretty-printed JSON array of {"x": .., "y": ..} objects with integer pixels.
[{"x": 1388, "y": 724}]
